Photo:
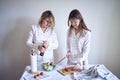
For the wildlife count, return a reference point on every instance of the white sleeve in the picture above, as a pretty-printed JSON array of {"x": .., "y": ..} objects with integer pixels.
[
  {"x": 68, "y": 44},
  {"x": 54, "y": 43},
  {"x": 86, "y": 45},
  {"x": 85, "y": 49},
  {"x": 30, "y": 39}
]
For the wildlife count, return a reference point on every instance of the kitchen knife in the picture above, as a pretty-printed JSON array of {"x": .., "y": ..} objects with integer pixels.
[{"x": 60, "y": 60}]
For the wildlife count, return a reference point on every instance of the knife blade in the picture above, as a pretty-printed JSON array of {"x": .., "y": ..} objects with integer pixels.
[{"x": 60, "y": 60}]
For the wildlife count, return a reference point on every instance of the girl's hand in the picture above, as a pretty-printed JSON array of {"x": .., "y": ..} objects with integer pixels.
[
  {"x": 41, "y": 48},
  {"x": 77, "y": 67},
  {"x": 68, "y": 54},
  {"x": 46, "y": 44}
]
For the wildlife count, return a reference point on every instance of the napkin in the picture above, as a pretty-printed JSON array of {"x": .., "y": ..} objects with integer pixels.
[
  {"x": 102, "y": 71},
  {"x": 98, "y": 71}
]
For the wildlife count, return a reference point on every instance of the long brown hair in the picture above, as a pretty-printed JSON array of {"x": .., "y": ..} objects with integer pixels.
[{"x": 75, "y": 14}]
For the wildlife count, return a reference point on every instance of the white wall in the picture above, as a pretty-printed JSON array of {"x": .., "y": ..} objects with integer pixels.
[{"x": 101, "y": 16}]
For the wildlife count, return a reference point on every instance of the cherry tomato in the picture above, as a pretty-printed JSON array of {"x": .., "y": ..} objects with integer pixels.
[
  {"x": 38, "y": 75},
  {"x": 35, "y": 76},
  {"x": 41, "y": 73}
]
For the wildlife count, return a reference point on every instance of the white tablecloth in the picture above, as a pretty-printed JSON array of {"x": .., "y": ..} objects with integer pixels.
[{"x": 53, "y": 75}]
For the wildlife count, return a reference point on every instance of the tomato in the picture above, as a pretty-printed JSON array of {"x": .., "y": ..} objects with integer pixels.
[
  {"x": 66, "y": 69},
  {"x": 38, "y": 75},
  {"x": 41, "y": 73},
  {"x": 72, "y": 69},
  {"x": 35, "y": 76}
]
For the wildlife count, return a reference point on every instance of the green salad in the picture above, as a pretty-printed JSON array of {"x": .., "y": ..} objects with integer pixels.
[{"x": 48, "y": 66}]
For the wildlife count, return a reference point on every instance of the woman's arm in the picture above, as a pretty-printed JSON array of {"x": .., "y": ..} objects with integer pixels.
[
  {"x": 54, "y": 43},
  {"x": 85, "y": 50},
  {"x": 67, "y": 42},
  {"x": 31, "y": 38},
  {"x": 68, "y": 46},
  {"x": 86, "y": 45}
]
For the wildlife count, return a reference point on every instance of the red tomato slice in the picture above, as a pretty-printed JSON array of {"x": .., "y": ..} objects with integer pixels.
[
  {"x": 72, "y": 69},
  {"x": 66, "y": 69}
]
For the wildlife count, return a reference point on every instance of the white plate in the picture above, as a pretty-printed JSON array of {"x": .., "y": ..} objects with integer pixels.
[{"x": 31, "y": 77}]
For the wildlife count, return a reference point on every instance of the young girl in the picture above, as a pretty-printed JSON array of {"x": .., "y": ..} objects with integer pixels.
[
  {"x": 78, "y": 40},
  {"x": 43, "y": 38}
]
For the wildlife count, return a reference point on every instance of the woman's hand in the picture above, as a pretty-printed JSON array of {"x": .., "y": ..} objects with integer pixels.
[
  {"x": 68, "y": 54},
  {"x": 41, "y": 48},
  {"x": 77, "y": 67},
  {"x": 45, "y": 44}
]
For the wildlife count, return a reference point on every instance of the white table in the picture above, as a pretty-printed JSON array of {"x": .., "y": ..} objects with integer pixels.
[{"x": 53, "y": 75}]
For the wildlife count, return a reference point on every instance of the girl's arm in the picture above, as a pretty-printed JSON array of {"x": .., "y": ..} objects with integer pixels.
[
  {"x": 86, "y": 45},
  {"x": 68, "y": 46},
  {"x": 83, "y": 56},
  {"x": 67, "y": 42},
  {"x": 54, "y": 43},
  {"x": 31, "y": 38}
]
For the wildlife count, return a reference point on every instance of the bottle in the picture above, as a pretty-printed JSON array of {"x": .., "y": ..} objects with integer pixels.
[
  {"x": 33, "y": 51},
  {"x": 42, "y": 53},
  {"x": 85, "y": 64},
  {"x": 81, "y": 64},
  {"x": 33, "y": 61}
]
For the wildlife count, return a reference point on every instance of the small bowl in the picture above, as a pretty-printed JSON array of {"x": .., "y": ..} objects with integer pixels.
[{"x": 48, "y": 66}]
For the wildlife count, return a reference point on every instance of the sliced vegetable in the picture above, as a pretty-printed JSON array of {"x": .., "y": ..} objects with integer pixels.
[{"x": 66, "y": 69}]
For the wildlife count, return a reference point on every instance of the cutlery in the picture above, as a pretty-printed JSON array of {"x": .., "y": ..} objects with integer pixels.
[{"x": 60, "y": 60}]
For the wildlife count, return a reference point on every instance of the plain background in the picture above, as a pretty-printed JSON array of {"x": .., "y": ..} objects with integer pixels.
[{"x": 17, "y": 16}]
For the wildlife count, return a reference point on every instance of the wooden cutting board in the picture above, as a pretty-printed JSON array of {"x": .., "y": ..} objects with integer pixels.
[{"x": 67, "y": 71}]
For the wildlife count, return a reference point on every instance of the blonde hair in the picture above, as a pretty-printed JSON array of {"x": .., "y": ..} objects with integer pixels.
[
  {"x": 47, "y": 14},
  {"x": 75, "y": 14}
]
